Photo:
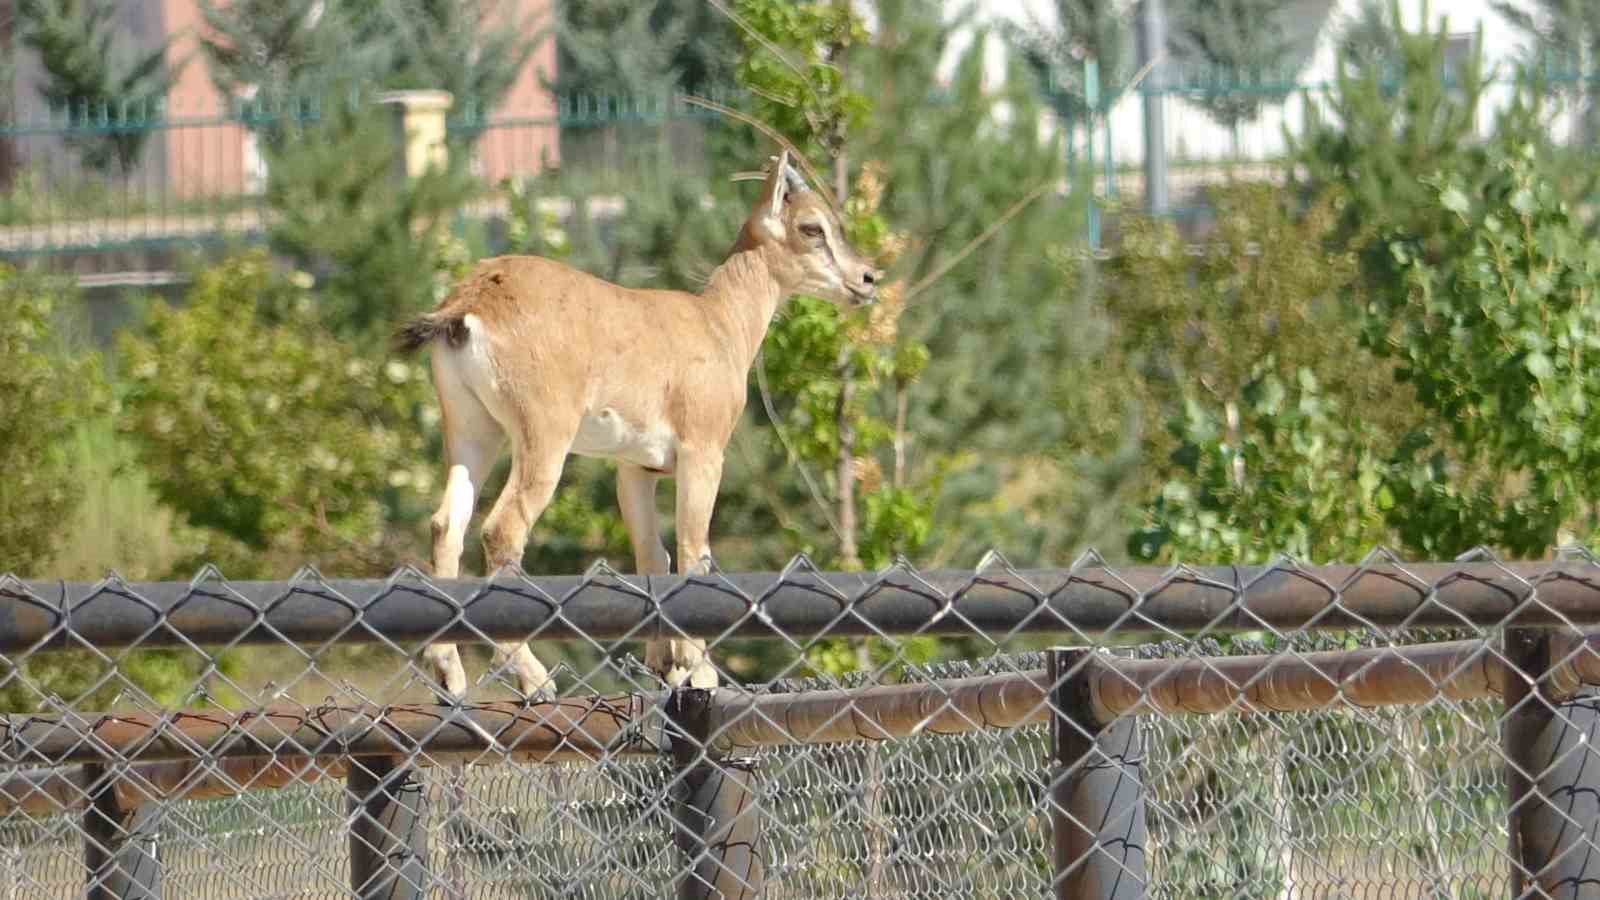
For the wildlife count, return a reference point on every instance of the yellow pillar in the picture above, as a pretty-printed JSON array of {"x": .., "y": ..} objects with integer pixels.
[{"x": 419, "y": 123}]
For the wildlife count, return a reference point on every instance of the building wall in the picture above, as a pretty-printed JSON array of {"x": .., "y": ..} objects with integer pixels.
[
  {"x": 528, "y": 138},
  {"x": 202, "y": 156}
]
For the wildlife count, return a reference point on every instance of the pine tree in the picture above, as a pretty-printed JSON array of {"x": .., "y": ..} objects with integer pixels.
[
  {"x": 89, "y": 72},
  {"x": 1098, "y": 30},
  {"x": 373, "y": 245},
  {"x": 468, "y": 49},
  {"x": 990, "y": 321},
  {"x": 614, "y": 47},
  {"x": 1367, "y": 39},
  {"x": 283, "y": 51},
  {"x": 1564, "y": 44},
  {"x": 625, "y": 47},
  {"x": 1245, "y": 47},
  {"x": 1380, "y": 131}
]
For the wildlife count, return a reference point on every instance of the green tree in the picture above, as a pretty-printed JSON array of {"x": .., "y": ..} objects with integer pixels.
[
  {"x": 8, "y": 89},
  {"x": 1563, "y": 44},
  {"x": 49, "y": 390},
  {"x": 282, "y": 443},
  {"x": 91, "y": 73},
  {"x": 1382, "y": 131},
  {"x": 995, "y": 312},
  {"x": 1247, "y": 44},
  {"x": 46, "y": 390},
  {"x": 373, "y": 242},
  {"x": 1495, "y": 328},
  {"x": 1099, "y": 30},
  {"x": 622, "y": 48},
  {"x": 475, "y": 51},
  {"x": 1244, "y": 366},
  {"x": 279, "y": 52},
  {"x": 1367, "y": 39}
]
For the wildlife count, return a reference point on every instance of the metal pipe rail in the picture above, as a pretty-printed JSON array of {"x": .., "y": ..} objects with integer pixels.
[
  {"x": 589, "y": 728},
  {"x": 800, "y": 603},
  {"x": 1117, "y": 687},
  {"x": 573, "y": 728}
]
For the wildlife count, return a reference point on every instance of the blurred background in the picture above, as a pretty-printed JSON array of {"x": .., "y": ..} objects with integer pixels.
[{"x": 1189, "y": 280}]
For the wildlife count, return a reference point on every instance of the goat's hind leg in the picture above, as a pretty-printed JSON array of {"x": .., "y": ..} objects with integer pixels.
[
  {"x": 535, "y": 472},
  {"x": 472, "y": 440}
]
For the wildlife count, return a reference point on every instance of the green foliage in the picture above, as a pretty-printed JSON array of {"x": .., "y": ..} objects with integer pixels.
[
  {"x": 1563, "y": 42},
  {"x": 46, "y": 390},
  {"x": 1249, "y": 356},
  {"x": 1100, "y": 30},
  {"x": 88, "y": 72},
  {"x": 285, "y": 57},
  {"x": 1471, "y": 428},
  {"x": 619, "y": 47},
  {"x": 49, "y": 390},
  {"x": 277, "y": 440},
  {"x": 473, "y": 50},
  {"x": 1247, "y": 39},
  {"x": 1498, "y": 330},
  {"x": 804, "y": 94},
  {"x": 1367, "y": 41},
  {"x": 281, "y": 51},
  {"x": 1283, "y": 471},
  {"x": 373, "y": 241},
  {"x": 1385, "y": 129}
]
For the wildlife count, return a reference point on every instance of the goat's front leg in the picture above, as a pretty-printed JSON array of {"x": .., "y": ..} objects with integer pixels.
[{"x": 699, "y": 471}]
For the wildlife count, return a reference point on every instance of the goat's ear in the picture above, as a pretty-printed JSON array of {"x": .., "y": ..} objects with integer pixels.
[
  {"x": 778, "y": 186},
  {"x": 769, "y": 209}
]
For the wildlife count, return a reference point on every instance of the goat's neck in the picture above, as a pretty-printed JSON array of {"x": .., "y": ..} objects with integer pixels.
[{"x": 746, "y": 293}]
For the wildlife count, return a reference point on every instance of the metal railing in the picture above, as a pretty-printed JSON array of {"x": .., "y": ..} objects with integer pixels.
[
  {"x": 199, "y": 171},
  {"x": 1380, "y": 729}
]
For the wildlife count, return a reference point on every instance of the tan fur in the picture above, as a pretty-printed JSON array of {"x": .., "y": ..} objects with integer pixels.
[{"x": 558, "y": 361}]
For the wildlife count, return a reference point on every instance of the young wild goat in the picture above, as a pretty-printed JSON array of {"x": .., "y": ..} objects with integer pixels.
[{"x": 562, "y": 362}]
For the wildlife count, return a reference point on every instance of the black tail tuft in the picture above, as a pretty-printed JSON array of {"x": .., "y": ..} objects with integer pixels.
[{"x": 422, "y": 330}]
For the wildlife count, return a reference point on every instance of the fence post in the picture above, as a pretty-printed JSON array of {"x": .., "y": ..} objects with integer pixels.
[
  {"x": 1097, "y": 816},
  {"x": 388, "y": 817},
  {"x": 1552, "y": 776},
  {"x": 716, "y": 816},
  {"x": 119, "y": 846},
  {"x": 1152, "y": 41},
  {"x": 420, "y": 127}
]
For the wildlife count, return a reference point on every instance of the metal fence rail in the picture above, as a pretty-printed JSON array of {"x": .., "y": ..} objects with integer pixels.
[
  {"x": 1382, "y": 729},
  {"x": 199, "y": 171}
]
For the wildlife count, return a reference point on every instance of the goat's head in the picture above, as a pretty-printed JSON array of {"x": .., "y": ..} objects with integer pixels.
[{"x": 804, "y": 242}]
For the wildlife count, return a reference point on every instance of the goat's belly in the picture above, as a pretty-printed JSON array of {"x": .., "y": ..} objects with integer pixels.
[{"x": 606, "y": 434}]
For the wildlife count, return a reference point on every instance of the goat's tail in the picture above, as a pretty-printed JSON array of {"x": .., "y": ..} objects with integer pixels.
[{"x": 422, "y": 330}]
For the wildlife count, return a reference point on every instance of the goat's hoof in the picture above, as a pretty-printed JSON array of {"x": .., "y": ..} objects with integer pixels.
[{"x": 544, "y": 693}]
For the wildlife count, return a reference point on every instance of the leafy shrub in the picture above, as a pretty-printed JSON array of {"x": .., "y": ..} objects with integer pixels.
[
  {"x": 44, "y": 395},
  {"x": 263, "y": 430}
]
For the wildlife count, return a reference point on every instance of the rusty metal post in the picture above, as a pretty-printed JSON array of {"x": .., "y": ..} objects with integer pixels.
[
  {"x": 388, "y": 829},
  {"x": 1552, "y": 775},
  {"x": 716, "y": 815},
  {"x": 119, "y": 845},
  {"x": 1097, "y": 816}
]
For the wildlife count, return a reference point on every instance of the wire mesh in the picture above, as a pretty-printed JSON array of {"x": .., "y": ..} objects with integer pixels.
[{"x": 1300, "y": 732}]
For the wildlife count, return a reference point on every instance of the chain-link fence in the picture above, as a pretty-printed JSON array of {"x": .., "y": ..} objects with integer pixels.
[{"x": 1384, "y": 729}]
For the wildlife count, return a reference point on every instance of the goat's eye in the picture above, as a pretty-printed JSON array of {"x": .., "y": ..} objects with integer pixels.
[{"x": 810, "y": 229}]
